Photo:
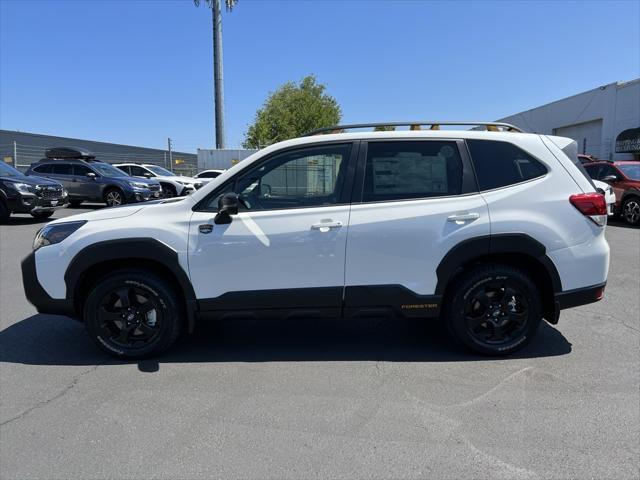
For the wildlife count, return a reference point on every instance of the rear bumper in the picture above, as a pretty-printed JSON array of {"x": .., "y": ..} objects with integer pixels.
[
  {"x": 580, "y": 296},
  {"x": 37, "y": 296}
]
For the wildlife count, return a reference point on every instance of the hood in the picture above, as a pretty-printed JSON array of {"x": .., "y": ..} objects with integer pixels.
[
  {"x": 104, "y": 213},
  {"x": 30, "y": 180},
  {"x": 180, "y": 178},
  {"x": 146, "y": 181}
]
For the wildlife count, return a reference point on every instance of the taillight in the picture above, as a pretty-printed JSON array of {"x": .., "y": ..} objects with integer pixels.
[{"x": 592, "y": 205}]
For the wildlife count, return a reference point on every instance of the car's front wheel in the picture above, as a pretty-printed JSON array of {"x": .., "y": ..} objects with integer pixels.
[
  {"x": 631, "y": 210},
  {"x": 493, "y": 309},
  {"x": 44, "y": 214},
  {"x": 114, "y": 197},
  {"x": 133, "y": 314}
]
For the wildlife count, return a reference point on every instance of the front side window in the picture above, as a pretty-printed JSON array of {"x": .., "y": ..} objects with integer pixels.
[
  {"x": 499, "y": 164},
  {"x": 137, "y": 171},
  {"x": 46, "y": 168},
  {"x": 412, "y": 169},
  {"x": 308, "y": 177},
  {"x": 631, "y": 171},
  {"x": 81, "y": 170}
]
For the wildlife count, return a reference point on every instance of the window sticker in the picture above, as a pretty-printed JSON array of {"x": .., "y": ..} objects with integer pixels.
[{"x": 410, "y": 172}]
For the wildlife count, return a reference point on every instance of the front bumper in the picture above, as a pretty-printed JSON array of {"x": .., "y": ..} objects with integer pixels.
[
  {"x": 27, "y": 203},
  {"x": 37, "y": 296},
  {"x": 142, "y": 195}
]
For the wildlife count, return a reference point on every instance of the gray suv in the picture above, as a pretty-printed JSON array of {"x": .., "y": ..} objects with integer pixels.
[{"x": 88, "y": 180}]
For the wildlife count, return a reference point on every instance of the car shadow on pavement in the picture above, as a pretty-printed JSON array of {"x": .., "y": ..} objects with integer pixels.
[
  {"x": 26, "y": 219},
  {"x": 618, "y": 222},
  {"x": 53, "y": 340}
]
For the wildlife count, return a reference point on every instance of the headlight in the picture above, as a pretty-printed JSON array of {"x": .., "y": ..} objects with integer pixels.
[
  {"x": 138, "y": 185},
  {"x": 51, "y": 234},
  {"x": 24, "y": 187}
]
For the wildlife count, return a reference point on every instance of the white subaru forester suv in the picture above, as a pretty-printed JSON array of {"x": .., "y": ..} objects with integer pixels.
[{"x": 490, "y": 230}]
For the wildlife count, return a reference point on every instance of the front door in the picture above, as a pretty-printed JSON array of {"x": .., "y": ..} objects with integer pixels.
[
  {"x": 62, "y": 172},
  {"x": 286, "y": 246}
]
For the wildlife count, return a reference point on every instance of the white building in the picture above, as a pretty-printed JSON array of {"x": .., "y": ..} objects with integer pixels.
[{"x": 604, "y": 121}]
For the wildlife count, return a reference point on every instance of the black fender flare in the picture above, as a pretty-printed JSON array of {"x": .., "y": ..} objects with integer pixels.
[
  {"x": 506, "y": 243},
  {"x": 142, "y": 248}
]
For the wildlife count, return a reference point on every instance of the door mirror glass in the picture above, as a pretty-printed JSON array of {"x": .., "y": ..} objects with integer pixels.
[
  {"x": 147, "y": 175},
  {"x": 610, "y": 178},
  {"x": 91, "y": 175},
  {"x": 227, "y": 206}
]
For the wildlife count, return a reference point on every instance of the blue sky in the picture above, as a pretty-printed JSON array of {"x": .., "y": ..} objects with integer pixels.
[{"x": 136, "y": 72}]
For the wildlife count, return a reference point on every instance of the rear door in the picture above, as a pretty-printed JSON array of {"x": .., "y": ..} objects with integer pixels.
[
  {"x": 417, "y": 199},
  {"x": 63, "y": 172}
]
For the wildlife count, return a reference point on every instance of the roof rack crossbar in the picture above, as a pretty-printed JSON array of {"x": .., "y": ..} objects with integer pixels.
[{"x": 433, "y": 125}]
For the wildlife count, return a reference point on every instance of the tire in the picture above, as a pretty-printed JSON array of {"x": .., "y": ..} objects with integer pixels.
[
  {"x": 169, "y": 191},
  {"x": 75, "y": 203},
  {"x": 119, "y": 311},
  {"x": 4, "y": 212},
  {"x": 631, "y": 210},
  {"x": 114, "y": 197},
  {"x": 506, "y": 302},
  {"x": 41, "y": 214}
]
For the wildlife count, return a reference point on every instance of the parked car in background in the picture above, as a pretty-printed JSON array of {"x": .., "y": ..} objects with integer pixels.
[
  {"x": 624, "y": 178},
  {"x": 88, "y": 180},
  {"x": 207, "y": 175},
  {"x": 490, "y": 230},
  {"x": 609, "y": 195},
  {"x": 21, "y": 194},
  {"x": 172, "y": 185}
]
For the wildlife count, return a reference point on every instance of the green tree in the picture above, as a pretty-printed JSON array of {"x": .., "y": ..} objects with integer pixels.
[
  {"x": 218, "y": 81},
  {"x": 292, "y": 110},
  {"x": 384, "y": 128}
]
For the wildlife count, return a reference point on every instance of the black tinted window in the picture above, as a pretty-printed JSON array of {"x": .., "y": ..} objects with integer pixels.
[
  {"x": 137, "y": 171},
  {"x": 61, "y": 168},
  {"x": 498, "y": 164},
  {"x": 402, "y": 170},
  {"x": 208, "y": 175},
  {"x": 42, "y": 168}
]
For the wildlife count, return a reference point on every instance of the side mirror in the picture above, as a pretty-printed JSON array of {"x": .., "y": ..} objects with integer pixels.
[
  {"x": 147, "y": 175},
  {"x": 610, "y": 178},
  {"x": 91, "y": 175},
  {"x": 227, "y": 206}
]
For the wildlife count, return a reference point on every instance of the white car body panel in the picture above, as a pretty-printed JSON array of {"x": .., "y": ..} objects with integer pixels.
[
  {"x": 402, "y": 242},
  {"x": 280, "y": 243},
  {"x": 609, "y": 194}
]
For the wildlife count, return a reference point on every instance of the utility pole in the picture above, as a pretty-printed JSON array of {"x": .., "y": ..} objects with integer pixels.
[
  {"x": 170, "y": 156},
  {"x": 15, "y": 154},
  {"x": 218, "y": 84}
]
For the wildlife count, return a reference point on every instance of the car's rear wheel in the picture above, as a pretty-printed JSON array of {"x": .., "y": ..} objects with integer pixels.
[
  {"x": 133, "y": 314},
  {"x": 42, "y": 214},
  {"x": 493, "y": 309},
  {"x": 114, "y": 197},
  {"x": 631, "y": 210}
]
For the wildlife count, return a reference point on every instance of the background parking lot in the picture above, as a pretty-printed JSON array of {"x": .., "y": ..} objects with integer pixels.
[{"x": 378, "y": 398}]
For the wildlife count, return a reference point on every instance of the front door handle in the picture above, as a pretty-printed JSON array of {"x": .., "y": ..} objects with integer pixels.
[
  {"x": 326, "y": 225},
  {"x": 461, "y": 218}
]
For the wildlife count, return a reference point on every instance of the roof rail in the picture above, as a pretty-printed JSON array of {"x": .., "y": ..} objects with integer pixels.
[{"x": 433, "y": 125}]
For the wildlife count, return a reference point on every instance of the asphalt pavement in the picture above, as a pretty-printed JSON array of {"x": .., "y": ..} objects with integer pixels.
[{"x": 375, "y": 398}]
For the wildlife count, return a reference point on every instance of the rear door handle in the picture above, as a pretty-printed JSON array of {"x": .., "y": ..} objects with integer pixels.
[
  {"x": 326, "y": 225},
  {"x": 461, "y": 218}
]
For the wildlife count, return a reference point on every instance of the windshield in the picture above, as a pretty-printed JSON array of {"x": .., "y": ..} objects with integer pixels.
[
  {"x": 107, "y": 170},
  {"x": 9, "y": 171},
  {"x": 160, "y": 171},
  {"x": 631, "y": 171}
]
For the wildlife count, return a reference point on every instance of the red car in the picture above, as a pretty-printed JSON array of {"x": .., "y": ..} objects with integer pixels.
[{"x": 624, "y": 178}]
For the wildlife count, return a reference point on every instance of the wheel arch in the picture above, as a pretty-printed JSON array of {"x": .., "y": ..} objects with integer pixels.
[
  {"x": 100, "y": 258},
  {"x": 518, "y": 250}
]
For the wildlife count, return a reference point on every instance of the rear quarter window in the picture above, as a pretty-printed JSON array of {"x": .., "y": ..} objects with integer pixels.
[{"x": 499, "y": 164}]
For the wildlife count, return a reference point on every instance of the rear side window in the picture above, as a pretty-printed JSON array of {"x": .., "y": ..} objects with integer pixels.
[
  {"x": 499, "y": 164},
  {"x": 42, "y": 168},
  {"x": 405, "y": 170},
  {"x": 61, "y": 168}
]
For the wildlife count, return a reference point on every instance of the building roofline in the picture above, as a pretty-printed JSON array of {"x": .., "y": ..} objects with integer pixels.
[
  {"x": 92, "y": 141},
  {"x": 617, "y": 84}
]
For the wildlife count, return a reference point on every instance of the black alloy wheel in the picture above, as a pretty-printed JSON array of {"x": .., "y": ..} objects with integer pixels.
[
  {"x": 631, "y": 211},
  {"x": 493, "y": 309},
  {"x": 133, "y": 314}
]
